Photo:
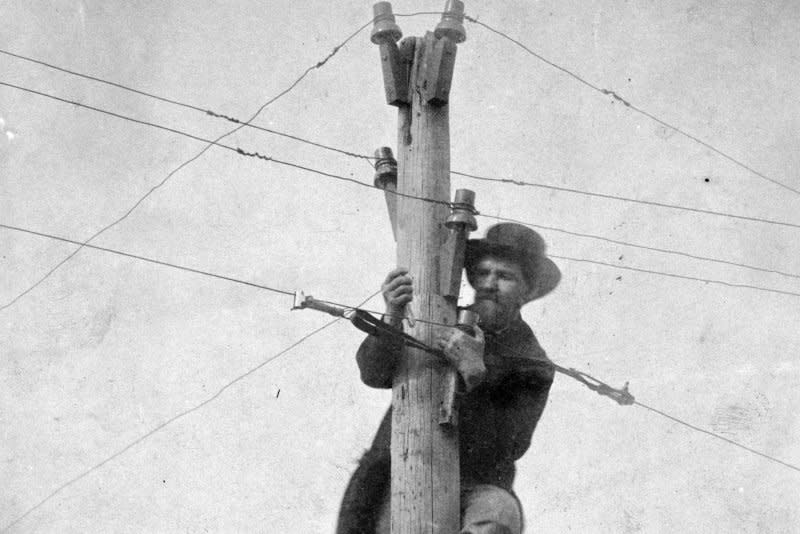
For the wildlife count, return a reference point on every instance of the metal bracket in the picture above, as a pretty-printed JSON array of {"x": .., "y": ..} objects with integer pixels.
[{"x": 302, "y": 302}]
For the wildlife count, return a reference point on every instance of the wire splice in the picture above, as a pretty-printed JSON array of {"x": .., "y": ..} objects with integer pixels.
[{"x": 621, "y": 395}]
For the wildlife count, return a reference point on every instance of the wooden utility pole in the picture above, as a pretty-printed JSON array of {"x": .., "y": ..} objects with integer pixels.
[{"x": 424, "y": 452}]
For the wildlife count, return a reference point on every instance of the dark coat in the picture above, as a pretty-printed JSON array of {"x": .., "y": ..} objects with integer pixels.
[{"x": 496, "y": 419}]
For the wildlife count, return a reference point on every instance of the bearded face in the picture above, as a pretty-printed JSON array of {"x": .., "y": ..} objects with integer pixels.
[{"x": 500, "y": 291}]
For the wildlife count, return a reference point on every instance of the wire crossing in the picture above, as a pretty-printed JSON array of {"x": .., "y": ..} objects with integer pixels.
[
  {"x": 620, "y": 395},
  {"x": 560, "y": 369},
  {"x": 266, "y": 158},
  {"x": 217, "y": 143},
  {"x": 62, "y": 487},
  {"x": 168, "y": 422},
  {"x": 471, "y": 176},
  {"x": 304, "y": 338},
  {"x": 124, "y": 216},
  {"x": 235, "y": 120}
]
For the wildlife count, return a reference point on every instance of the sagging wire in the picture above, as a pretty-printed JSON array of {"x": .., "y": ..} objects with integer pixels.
[
  {"x": 235, "y": 120},
  {"x": 616, "y": 97},
  {"x": 621, "y": 396},
  {"x": 125, "y": 215},
  {"x": 257, "y": 155}
]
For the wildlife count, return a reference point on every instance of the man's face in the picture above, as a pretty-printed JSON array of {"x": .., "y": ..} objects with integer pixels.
[{"x": 500, "y": 291}]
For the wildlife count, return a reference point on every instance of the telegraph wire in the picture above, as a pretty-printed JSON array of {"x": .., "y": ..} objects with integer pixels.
[
  {"x": 213, "y": 113},
  {"x": 263, "y": 157},
  {"x": 352, "y": 154},
  {"x": 101, "y": 80},
  {"x": 643, "y": 247},
  {"x": 679, "y": 276},
  {"x": 291, "y": 293},
  {"x": 615, "y": 96},
  {"x": 216, "y": 142},
  {"x": 625, "y": 199},
  {"x": 314, "y": 332},
  {"x": 621, "y": 395},
  {"x": 147, "y": 259},
  {"x": 318, "y": 65},
  {"x": 558, "y": 368},
  {"x": 171, "y": 420},
  {"x": 713, "y": 434},
  {"x": 696, "y": 279},
  {"x": 107, "y": 112},
  {"x": 289, "y": 136},
  {"x": 571, "y": 372}
]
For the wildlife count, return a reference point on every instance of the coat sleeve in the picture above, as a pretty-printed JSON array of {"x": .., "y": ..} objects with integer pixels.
[
  {"x": 523, "y": 401},
  {"x": 522, "y": 415},
  {"x": 377, "y": 360}
]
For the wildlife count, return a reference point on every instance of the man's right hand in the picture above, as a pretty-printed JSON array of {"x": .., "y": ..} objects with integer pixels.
[{"x": 397, "y": 291}]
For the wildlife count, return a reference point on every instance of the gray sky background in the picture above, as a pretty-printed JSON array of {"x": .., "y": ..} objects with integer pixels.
[{"x": 109, "y": 347}]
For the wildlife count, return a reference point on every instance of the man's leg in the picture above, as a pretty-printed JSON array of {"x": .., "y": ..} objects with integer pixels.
[
  {"x": 384, "y": 523},
  {"x": 488, "y": 509},
  {"x": 363, "y": 497}
]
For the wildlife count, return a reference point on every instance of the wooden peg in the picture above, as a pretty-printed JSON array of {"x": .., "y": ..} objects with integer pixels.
[
  {"x": 395, "y": 74},
  {"x": 438, "y": 69},
  {"x": 386, "y": 179}
]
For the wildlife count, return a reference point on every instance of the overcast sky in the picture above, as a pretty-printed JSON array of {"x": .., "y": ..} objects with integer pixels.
[{"x": 109, "y": 347}]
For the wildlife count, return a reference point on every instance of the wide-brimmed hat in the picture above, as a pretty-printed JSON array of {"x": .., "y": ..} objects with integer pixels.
[{"x": 522, "y": 245}]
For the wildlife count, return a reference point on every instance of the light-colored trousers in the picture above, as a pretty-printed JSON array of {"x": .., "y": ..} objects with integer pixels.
[{"x": 485, "y": 509}]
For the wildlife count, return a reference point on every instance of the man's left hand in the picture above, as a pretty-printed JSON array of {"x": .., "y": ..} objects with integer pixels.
[{"x": 464, "y": 352}]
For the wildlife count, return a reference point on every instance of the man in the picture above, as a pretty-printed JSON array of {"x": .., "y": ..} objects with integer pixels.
[{"x": 507, "y": 377}]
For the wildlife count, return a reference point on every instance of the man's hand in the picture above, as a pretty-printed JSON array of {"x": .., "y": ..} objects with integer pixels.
[
  {"x": 397, "y": 291},
  {"x": 464, "y": 352}
]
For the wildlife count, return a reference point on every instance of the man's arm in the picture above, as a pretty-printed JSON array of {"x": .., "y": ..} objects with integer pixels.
[
  {"x": 521, "y": 415},
  {"x": 523, "y": 399},
  {"x": 377, "y": 358}
]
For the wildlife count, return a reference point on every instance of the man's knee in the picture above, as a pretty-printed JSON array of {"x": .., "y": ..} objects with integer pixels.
[{"x": 490, "y": 510}]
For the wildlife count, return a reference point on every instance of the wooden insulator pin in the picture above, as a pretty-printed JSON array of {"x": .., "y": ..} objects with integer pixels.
[
  {"x": 386, "y": 179},
  {"x": 438, "y": 72},
  {"x": 395, "y": 75},
  {"x": 386, "y": 33}
]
